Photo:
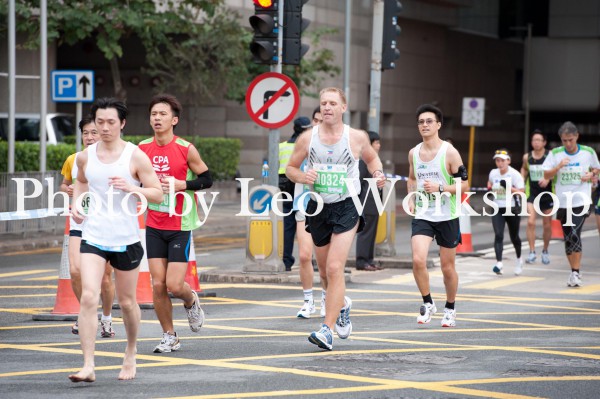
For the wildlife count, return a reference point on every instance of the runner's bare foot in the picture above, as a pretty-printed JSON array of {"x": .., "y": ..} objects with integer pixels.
[
  {"x": 129, "y": 367},
  {"x": 83, "y": 376}
]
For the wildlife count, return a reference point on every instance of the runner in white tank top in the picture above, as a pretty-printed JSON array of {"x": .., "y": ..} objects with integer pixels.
[
  {"x": 89, "y": 136},
  {"x": 433, "y": 166},
  {"x": 334, "y": 164},
  {"x": 113, "y": 236},
  {"x": 333, "y": 150}
]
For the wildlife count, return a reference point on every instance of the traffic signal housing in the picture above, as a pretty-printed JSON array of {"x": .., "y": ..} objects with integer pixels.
[
  {"x": 294, "y": 25},
  {"x": 265, "y": 24},
  {"x": 391, "y": 30}
]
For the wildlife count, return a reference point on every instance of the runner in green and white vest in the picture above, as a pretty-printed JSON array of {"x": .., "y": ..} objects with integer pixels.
[{"x": 572, "y": 166}]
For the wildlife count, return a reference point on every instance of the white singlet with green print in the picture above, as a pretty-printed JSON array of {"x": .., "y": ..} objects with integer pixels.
[{"x": 434, "y": 171}]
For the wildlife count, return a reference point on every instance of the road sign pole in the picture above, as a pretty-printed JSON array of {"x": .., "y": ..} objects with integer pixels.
[
  {"x": 43, "y": 82},
  {"x": 376, "y": 47},
  {"x": 471, "y": 151},
  {"x": 78, "y": 117},
  {"x": 12, "y": 71},
  {"x": 274, "y": 134}
]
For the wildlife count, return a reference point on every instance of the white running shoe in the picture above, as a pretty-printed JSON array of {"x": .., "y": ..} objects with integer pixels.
[
  {"x": 574, "y": 280},
  {"x": 497, "y": 269},
  {"x": 343, "y": 325},
  {"x": 308, "y": 308},
  {"x": 519, "y": 267},
  {"x": 545, "y": 258},
  {"x": 449, "y": 319},
  {"x": 195, "y": 314},
  {"x": 106, "y": 330},
  {"x": 531, "y": 258},
  {"x": 322, "y": 307},
  {"x": 168, "y": 343},
  {"x": 425, "y": 312},
  {"x": 322, "y": 338}
]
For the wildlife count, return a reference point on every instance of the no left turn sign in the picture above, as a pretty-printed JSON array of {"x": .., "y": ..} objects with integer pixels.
[{"x": 272, "y": 100}]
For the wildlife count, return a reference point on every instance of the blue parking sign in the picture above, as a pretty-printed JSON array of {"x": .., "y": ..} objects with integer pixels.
[{"x": 72, "y": 86}]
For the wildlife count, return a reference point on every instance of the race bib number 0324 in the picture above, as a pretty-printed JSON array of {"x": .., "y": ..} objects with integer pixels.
[{"x": 331, "y": 179}]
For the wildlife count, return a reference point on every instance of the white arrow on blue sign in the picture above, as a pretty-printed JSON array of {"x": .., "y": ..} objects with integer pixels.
[
  {"x": 72, "y": 86},
  {"x": 260, "y": 201}
]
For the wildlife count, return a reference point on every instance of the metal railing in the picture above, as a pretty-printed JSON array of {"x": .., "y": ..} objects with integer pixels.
[{"x": 9, "y": 201}]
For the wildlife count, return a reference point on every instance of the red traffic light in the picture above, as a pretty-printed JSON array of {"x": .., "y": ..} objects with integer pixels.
[{"x": 263, "y": 3}]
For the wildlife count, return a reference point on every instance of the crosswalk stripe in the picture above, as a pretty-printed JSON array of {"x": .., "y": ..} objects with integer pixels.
[
  {"x": 504, "y": 282},
  {"x": 586, "y": 289}
]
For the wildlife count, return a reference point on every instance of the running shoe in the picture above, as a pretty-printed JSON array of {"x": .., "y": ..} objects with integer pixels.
[
  {"x": 195, "y": 314},
  {"x": 106, "y": 330},
  {"x": 425, "y": 312},
  {"x": 322, "y": 338},
  {"x": 323, "y": 307},
  {"x": 574, "y": 280},
  {"x": 75, "y": 328},
  {"x": 308, "y": 308},
  {"x": 545, "y": 258},
  {"x": 343, "y": 325},
  {"x": 531, "y": 258},
  {"x": 449, "y": 319},
  {"x": 497, "y": 269},
  {"x": 168, "y": 343},
  {"x": 519, "y": 267}
]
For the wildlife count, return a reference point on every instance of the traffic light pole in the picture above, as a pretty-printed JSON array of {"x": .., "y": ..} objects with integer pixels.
[
  {"x": 274, "y": 134},
  {"x": 376, "y": 53}
]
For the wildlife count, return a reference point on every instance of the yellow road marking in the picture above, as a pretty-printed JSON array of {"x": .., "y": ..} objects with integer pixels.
[
  {"x": 26, "y": 273},
  {"x": 503, "y": 282},
  {"x": 54, "y": 250},
  {"x": 47, "y": 278},
  {"x": 19, "y": 287},
  {"x": 398, "y": 279},
  {"x": 586, "y": 289}
]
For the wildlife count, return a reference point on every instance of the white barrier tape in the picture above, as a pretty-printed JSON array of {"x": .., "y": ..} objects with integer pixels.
[
  {"x": 404, "y": 178},
  {"x": 30, "y": 214}
]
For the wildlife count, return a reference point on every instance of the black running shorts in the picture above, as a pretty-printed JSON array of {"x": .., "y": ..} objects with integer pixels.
[
  {"x": 335, "y": 218},
  {"x": 128, "y": 260},
  {"x": 446, "y": 233},
  {"x": 172, "y": 245}
]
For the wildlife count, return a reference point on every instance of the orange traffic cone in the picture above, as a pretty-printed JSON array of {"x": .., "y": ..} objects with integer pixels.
[
  {"x": 66, "y": 305},
  {"x": 144, "y": 285},
  {"x": 466, "y": 246},
  {"x": 557, "y": 231},
  {"x": 143, "y": 290},
  {"x": 191, "y": 276}
]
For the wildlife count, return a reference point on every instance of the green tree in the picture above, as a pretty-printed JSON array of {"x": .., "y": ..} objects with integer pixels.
[
  {"x": 198, "y": 48},
  {"x": 107, "y": 22}
]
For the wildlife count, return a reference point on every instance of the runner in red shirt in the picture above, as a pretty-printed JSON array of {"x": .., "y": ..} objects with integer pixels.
[{"x": 168, "y": 236}]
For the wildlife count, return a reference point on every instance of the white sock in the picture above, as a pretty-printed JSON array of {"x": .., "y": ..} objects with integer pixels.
[
  {"x": 106, "y": 318},
  {"x": 499, "y": 264},
  {"x": 308, "y": 295}
]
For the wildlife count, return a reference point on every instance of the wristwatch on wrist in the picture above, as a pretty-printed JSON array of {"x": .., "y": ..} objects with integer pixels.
[{"x": 441, "y": 187}]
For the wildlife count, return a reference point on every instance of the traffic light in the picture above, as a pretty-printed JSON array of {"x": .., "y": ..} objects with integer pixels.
[
  {"x": 294, "y": 25},
  {"x": 391, "y": 30},
  {"x": 265, "y": 24}
]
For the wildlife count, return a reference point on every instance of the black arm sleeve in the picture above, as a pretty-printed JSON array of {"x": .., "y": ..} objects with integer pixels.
[{"x": 204, "y": 180}]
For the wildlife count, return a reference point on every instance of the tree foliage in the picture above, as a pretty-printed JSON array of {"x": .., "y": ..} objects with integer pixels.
[{"x": 198, "y": 48}]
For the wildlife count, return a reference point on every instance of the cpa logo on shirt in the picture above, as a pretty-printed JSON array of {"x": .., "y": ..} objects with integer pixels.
[{"x": 160, "y": 163}]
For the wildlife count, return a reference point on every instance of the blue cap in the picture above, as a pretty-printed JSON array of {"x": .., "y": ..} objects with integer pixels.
[{"x": 301, "y": 124}]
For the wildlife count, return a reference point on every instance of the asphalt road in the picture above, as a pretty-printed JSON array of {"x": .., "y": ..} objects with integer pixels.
[{"x": 516, "y": 337}]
